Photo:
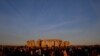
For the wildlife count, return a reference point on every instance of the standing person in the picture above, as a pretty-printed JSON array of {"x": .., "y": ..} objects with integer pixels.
[
  {"x": 52, "y": 53},
  {"x": 45, "y": 52},
  {"x": 94, "y": 53},
  {"x": 57, "y": 52},
  {"x": 65, "y": 53}
]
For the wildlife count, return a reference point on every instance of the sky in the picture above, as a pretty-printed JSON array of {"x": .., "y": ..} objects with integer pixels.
[{"x": 77, "y": 21}]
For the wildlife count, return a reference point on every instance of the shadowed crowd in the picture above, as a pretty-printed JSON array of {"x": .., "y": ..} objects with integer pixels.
[{"x": 53, "y": 51}]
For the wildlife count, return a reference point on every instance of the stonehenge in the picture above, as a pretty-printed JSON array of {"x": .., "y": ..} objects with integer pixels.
[{"x": 47, "y": 43}]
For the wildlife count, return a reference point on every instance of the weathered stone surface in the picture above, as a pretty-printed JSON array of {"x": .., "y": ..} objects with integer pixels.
[
  {"x": 47, "y": 43},
  {"x": 31, "y": 43}
]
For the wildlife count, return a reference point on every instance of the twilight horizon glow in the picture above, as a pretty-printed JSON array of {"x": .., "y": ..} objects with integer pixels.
[{"x": 77, "y": 21}]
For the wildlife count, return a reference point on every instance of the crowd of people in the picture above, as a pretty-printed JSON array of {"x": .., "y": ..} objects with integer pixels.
[{"x": 53, "y": 51}]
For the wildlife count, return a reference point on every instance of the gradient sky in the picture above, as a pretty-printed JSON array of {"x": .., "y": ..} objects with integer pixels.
[{"x": 77, "y": 21}]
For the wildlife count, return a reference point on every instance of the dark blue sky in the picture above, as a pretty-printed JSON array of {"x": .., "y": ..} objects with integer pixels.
[{"x": 74, "y": 20}]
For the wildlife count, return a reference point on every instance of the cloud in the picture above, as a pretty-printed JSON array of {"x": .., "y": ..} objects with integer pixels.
[{"x": 49, "y": 27}]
